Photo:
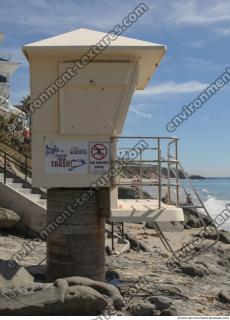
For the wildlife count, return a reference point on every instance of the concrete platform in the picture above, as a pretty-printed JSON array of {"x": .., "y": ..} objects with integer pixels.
[{"x": 138, "y": 210}]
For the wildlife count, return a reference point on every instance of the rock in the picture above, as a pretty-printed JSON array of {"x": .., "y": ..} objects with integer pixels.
[
  {"x": 136, "y": 244},
  {"x": 69, "y": 296},
  {"x": 196, "y": 177},
  {"x": 131, "y": 193},
  {"x": 160, "y": 302},
  {"x": 193, "y": 270},
  {"x": 127, "y": 193},
  {"x": 13, "y": 275},
  {"x": 224, "y": 296},
  {"x": 8, "y": 218},
  {"x": 150, "y": 225},
  {"x": 172, "y": 311},
  {"x": 166, "y": 226},
  {"x": 193, "y": 220},
  {"x": 144, "y": 309},
  {"x": 108, "y": 250},
  {"x": 190, "y": 221},
  {"x": 224, "y": 236}
]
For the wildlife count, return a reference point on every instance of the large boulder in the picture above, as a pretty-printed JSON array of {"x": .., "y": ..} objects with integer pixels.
[
  {"x": 13, "y": 275},
  {"x": 8, "y": 218},
  {"x": 69, "y": 296}
]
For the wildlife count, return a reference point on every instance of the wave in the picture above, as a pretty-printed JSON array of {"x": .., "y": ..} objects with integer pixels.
[{"x": 215, "y": 207}]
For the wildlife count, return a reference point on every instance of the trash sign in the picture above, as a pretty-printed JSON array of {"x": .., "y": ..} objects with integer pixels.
[
  {"x": 66, "y": 157},
  {"x": 99, "y": 157}
]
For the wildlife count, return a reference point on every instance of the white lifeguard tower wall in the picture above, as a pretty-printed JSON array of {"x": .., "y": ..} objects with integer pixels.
[{"x": 76, "y": 124}]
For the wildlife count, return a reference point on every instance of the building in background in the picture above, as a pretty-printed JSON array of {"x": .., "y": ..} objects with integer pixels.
[{"x": 7, "y": 68}]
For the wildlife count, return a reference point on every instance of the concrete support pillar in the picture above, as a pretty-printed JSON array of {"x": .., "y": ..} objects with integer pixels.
[{"x": 76, "y": 246}]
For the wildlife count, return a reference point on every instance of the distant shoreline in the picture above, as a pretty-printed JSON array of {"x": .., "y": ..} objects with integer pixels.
[{"x": 198, "y": 177}]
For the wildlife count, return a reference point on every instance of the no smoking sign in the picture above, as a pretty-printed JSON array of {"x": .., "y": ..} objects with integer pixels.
[
  {"x": 99, "y": 151},
  {"x": 99, "y": 157}
]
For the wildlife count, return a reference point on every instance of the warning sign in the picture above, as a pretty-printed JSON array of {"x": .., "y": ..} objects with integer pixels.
[{"x": 99, "y": 157}]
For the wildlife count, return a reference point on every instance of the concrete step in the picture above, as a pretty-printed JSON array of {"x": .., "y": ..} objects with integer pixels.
[
  {"x": 34, "y": 196},
  {"x": 8, "y": 180},
  {"x": 25, "y": 191},
  {"x": 15, "y": 185},
  {"x": 42, "y": 202}
]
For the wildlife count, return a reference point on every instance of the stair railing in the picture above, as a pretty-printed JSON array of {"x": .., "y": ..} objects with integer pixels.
[{"x": 22, "y": 162}]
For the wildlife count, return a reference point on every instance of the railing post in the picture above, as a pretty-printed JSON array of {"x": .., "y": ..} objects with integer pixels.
[
  {"x": 159, "y": 171},
  {"x": 141, "y": 173},
  {"x": 26, "y": 172},
  {"x": 122, "y": 230},
  {"x": 5, "y": 159},
  {"x": 112, "y": 238},
  {"x": 169, "y": 181},
  {"x": 177, "y": 178}
]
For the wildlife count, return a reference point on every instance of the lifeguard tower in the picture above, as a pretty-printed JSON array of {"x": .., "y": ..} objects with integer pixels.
[{"x": 80, "y": 107}]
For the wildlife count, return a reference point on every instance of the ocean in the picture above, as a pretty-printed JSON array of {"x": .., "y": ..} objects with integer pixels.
[{"x": 214, "y": 192}]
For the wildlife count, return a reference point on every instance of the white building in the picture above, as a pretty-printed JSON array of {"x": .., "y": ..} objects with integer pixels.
[{"x": 7, "y": 68}]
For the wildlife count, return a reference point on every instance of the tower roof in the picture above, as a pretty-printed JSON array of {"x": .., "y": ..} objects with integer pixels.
[{"x": 81, "y": 40}]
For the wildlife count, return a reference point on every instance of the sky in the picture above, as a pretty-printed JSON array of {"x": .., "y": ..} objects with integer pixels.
[{"x": 197, "y": 36}]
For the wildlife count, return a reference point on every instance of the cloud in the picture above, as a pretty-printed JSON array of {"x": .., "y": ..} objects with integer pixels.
[
  {"x": 140, "y": 113},
  {"x": 172, "y": 87},
  {"x": 195, "y": 12},
  {"x": 223, "y": 32},
  {"x": 197, "y": 61},
  {"x": 51, "y": 17}
]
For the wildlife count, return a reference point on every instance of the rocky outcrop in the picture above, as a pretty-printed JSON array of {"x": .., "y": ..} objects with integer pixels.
[
  {"x": 69, "y": 296},
  {"x": 131, "y": 193}
]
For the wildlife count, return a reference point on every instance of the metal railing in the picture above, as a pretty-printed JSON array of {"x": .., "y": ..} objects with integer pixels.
[
  {"x": 171, "y": 178},
  {"x": 151, "y": 160},
  {"x": 11, "y": 155}
]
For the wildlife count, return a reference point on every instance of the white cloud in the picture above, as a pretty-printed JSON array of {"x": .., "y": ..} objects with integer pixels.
[
  {"x": 51, "y": 17},
  {"x": 140, "y": 113},
  {"x": 195, "y": 12},
  {"x": 223, "y": 32},
  {"x": 172, "y": 87},
  {"x": 197, "y": 61}
]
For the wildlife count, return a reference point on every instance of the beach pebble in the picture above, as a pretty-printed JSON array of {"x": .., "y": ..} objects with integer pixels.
[
  {"x": 224, "y": 296},
  {"x": 160, "y": 302},
  {"x": 144, "y": 309},
  {"x": 172, "y": 311},
  {"x": 193, "y": 270}
]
